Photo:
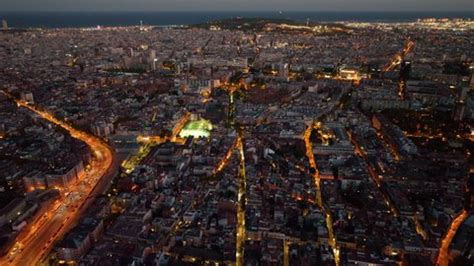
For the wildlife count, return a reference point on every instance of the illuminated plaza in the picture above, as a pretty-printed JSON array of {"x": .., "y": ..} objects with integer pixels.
[{"x": 197, "y": 129}]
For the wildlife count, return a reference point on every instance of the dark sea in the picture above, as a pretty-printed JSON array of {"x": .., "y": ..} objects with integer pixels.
[{"x": 92, "y": 19}]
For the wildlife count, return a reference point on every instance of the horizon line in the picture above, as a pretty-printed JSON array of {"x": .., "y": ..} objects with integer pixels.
[{"x": 248, "y": 11}]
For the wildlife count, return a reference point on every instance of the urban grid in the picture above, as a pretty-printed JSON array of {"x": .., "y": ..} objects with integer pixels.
[{"x": 241, "y": 141}]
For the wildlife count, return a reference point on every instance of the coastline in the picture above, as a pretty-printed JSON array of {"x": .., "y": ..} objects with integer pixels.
[{"x": 79, "y": 19}]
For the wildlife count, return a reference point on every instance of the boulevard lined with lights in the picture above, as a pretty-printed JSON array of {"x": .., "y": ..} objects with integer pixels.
[
  {"x": 41, "y": 235},
  {"x": 317, "y": 181}
]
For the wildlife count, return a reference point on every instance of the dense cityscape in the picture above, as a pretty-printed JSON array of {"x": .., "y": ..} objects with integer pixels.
[{"x": 243, "y": 141}]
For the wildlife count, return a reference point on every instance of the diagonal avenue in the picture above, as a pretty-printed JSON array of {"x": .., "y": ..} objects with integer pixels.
[{"x": 40, "y": 235}]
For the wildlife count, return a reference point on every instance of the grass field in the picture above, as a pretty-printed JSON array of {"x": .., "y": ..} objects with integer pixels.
[{"x": 196, "y": 129}]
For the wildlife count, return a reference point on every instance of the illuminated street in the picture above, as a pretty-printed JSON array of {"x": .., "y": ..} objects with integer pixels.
[
  {"x": 312, "y": 163},
  {"x": 400, "y": 56},
  {"x": 375, "y": 177},
  {"x": 228, "y": 155},
  {"x": 317, "y": 181},
  {"x": 241, "y": 200},
  {"x": 42, "y": 235},
  {"x": 286, "y": 255},
  {"x": 148, "y": 142},
  {"x": 443, "y": 255}
]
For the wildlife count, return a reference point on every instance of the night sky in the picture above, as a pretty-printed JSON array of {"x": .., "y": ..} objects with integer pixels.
[{"x": 244, "y": 5}]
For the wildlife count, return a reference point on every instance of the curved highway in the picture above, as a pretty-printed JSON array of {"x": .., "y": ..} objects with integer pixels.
[{"x": 35, "y": 242}]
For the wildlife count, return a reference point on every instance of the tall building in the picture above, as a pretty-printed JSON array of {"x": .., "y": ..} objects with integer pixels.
[{"x": 4, "y": 24}]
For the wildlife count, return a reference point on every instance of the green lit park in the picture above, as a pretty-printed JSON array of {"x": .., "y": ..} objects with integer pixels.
[{"x": 197, "y": 129}]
